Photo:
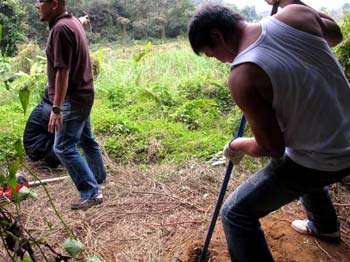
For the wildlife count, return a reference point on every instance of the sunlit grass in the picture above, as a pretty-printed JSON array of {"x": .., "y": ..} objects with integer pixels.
[{"x": 171, "y": 101}]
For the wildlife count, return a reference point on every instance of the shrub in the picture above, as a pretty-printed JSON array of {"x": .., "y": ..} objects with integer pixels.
[
  {"x": 192, "y": 113},
  {"x": 342, "y": 50},
  {"x": 26, "y": 56}
]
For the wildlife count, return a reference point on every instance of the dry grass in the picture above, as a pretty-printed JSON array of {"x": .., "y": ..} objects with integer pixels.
[
  {"x": 151, "y": 213},
  {"x": 148, "y": 214}
]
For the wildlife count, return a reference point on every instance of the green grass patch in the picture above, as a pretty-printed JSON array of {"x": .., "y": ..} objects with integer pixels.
[{"x": 167, "y": 107}]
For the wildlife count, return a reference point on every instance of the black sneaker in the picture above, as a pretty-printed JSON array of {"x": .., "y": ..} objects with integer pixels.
[{"x": 86, "y": 204}]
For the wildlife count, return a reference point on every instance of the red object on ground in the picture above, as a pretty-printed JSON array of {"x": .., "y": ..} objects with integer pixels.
[{"x": 6, "y": 190}]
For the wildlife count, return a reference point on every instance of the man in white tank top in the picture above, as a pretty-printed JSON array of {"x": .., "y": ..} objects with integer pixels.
[{"x": 296, "y": 99}]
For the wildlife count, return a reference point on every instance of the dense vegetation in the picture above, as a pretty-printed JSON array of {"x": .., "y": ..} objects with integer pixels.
[
  {"x": 154, "y": 103},
  {"x": 169, "y": 105},
  {"x": 111, "y": 20}
]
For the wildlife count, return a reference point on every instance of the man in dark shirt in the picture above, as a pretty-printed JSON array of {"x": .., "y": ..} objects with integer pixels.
[
  {"x": 37, "y": 141},
  {"x": 70, "y": 88}
]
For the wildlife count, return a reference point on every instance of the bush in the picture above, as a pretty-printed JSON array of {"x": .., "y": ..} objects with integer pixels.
[
  {"x": 342, "y": 50},
  {"x": 193, "y": 113},
  {"x": 26, "y": 56}
]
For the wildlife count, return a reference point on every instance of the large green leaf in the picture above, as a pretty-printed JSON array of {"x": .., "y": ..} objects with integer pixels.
[
  {"x": 24, "y": 95},
  {"x": 139, "y": 56},
  {"x": 73, "y": 247},
  {"x": 19, "y": 148}
]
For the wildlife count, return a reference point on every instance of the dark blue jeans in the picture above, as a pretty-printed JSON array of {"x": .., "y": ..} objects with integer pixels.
[
  {"x": 279, "y": 183},
  {"x": 76, "y": 131}
]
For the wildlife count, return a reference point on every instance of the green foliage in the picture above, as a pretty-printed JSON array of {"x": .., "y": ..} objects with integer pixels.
[
  {"x": 169, "y": 106},
  {"x": 143, "y": 53},
  {"x": 73, "y": 247},
  {"x": 250, "y": 14},
  {"x": 207, "y": 88},
  {"x": 27, "y": 54},
  {"x": 171, "y": 101},
  {"x": 95, "y": 66},
  {"x": 25, "y": 259},
  {"x": 33, "y": 82},
  {"x": 13, "y": 31},
  {"x": 191, "y": 112},
  {"x": 114, "y": 20},
  {"x": 5, "y": 71},
  {"x": 24, "y": 95},
  {"x": 342, "y": 50},
  {"x": 20, "y": 87}
]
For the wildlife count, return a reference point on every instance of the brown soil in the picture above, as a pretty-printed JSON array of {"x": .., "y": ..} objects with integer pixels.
[{"x": 161, "y": 213}]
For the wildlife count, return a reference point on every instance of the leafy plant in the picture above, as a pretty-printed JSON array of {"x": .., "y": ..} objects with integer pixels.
[
  {"x": 143, "y": 53},
  {"x": 30, "y": 83},
  {"x": 342, "y": 50},
  {"x": 191, "y": 112},
  {"x": 73, "y": 247},
  {"x": 12, "y": 18}
]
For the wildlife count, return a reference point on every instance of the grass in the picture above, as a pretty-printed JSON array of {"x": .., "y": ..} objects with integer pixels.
[{"x": 169, "y": 107}]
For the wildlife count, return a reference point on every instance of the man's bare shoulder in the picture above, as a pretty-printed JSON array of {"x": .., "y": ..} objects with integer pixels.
[
  {"x": 302, "y": 18},
  {"x": 249, "y": 79},
  {"x": 242, "y": 74}
]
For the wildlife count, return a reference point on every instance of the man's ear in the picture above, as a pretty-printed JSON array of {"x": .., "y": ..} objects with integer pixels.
[
  {"x": 216, "y": 36},
  {"x": 55, "y": 4}
]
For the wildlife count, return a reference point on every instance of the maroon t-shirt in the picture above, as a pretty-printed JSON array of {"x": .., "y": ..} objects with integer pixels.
[{"x": 67, "y": 47}]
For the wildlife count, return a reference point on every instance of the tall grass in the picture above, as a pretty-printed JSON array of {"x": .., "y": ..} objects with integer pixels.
[
  {"x": 171, "y": 98},
  {"x": 168, "y": 107}
]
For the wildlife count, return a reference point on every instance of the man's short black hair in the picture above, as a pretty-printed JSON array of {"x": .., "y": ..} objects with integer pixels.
[{"x": 208, "y": 17}]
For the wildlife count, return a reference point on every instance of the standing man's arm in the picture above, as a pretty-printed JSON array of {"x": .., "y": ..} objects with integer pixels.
[{"x": 61, "y": 86}]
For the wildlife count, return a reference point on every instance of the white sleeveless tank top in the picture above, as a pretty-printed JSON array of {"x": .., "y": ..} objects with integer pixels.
[{"x": 311, "y": 95}]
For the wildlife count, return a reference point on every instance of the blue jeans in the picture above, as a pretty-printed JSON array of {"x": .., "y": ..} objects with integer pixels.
[
  {"x": 76, "y": 130},
  {"x": 279, "y": 183}
]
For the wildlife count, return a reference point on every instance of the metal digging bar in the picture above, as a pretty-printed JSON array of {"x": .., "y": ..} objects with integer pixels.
[
  {"x": 220, "y": 198},
  {"x": 225, "y": 182}
]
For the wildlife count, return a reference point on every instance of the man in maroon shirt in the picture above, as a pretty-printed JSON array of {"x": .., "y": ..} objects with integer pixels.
[{"x": 70, "y": 89}]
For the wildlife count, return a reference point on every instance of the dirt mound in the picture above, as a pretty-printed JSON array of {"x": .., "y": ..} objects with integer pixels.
[
  {"x": 161, "y": 213},
  {"x": 286, "y": 245}
]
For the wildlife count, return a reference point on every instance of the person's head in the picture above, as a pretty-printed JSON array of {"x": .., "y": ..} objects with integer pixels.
[
  {"x": 215, "y": 30},
  {"x": 50, "y": 9}
]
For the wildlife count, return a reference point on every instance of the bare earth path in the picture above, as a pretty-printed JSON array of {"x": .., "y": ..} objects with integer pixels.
[{"x": 161, "y": 213}]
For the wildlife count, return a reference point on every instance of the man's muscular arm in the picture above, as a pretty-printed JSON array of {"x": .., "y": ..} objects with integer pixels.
[{"x": 245, "y": 86}]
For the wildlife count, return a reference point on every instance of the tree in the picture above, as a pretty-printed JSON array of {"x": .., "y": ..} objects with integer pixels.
[
  {"x": 178, "y": 16},
  {"x": 124, "y": 22},
  {"x": 250, "y": 14},
  {"x": 12, "y": 19},
  {"x": 36, "y": 29}
]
